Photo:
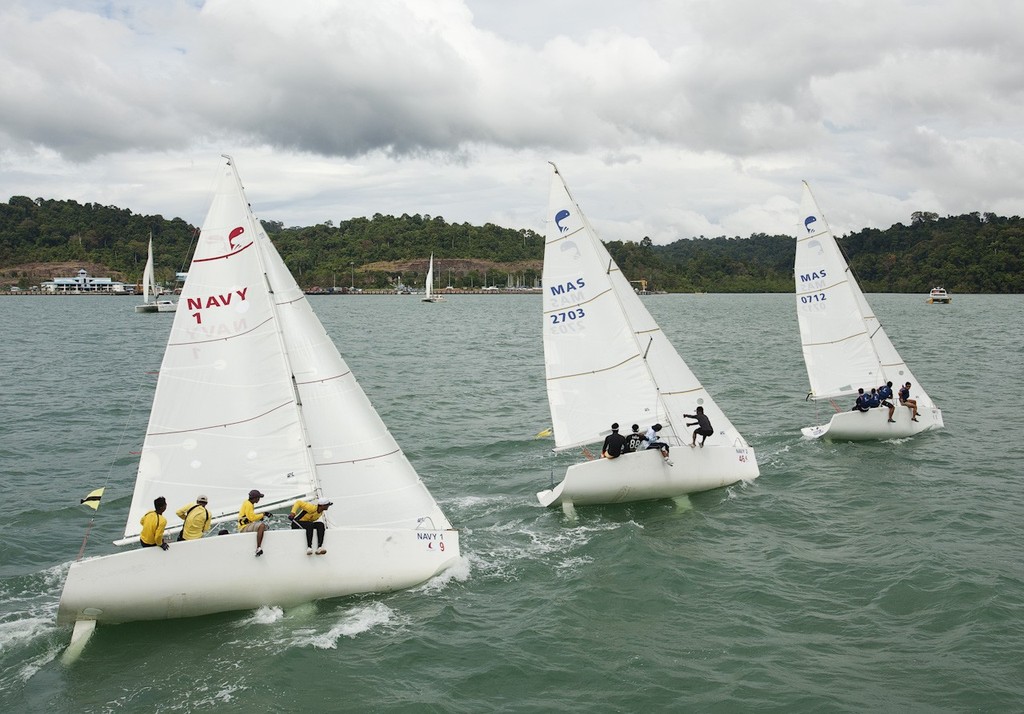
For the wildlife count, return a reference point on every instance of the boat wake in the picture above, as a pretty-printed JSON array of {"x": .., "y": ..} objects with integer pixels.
[
  {"x": 266, "y": 615},
  {"x": 458, "y": 572},
  {"x": 355, "y": 621}
]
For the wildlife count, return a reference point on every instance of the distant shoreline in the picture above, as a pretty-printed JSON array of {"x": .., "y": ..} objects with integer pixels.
[{"x": 38, "y": 293}]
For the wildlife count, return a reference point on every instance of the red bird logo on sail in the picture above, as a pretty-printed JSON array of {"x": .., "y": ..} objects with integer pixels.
[{"x": 234, "y": 246}]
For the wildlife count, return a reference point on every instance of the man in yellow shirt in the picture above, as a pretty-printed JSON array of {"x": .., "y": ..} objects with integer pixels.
[
  {"x": 196, "y": 519},
  {"x": 153, "y": 524},
  {"x": 306, "y": 516},
  {"x": 249, "y": 520}
]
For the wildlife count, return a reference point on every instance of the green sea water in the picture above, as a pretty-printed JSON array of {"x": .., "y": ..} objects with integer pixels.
[{"x": 849, "y": 577}]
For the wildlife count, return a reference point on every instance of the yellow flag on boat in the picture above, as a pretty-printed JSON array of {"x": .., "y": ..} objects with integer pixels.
[
  {"x": 93, "y": 499},
  {"x": 543, "y": 433}
]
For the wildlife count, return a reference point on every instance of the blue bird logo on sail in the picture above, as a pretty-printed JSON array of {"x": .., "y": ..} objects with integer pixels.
[
  {"x": 808, "y": 221},
  {"x": 559, "y": 217}
]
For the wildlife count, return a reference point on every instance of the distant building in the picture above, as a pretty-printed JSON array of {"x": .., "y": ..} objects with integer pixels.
[{"x": 85, "y": 283}]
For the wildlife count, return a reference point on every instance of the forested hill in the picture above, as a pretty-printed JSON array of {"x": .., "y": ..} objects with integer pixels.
[{"x": 972, "y": 253}]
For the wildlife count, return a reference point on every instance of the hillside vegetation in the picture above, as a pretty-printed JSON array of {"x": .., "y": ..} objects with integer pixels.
[{"x": 971, "y": 253}]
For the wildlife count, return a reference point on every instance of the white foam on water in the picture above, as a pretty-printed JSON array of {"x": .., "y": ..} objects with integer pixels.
[
  {"x": 355, "y": 621},
  {"x": 265, "y": 615},
  {"x": 458, "y": 572},
  {"x": 572, "y": 565}
]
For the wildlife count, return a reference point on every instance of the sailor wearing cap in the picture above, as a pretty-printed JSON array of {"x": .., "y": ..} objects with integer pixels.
[
  {"x": 195, "y": 519},
  {"x": 306, "y": 515},
  {"x": 249, "y": 520}
]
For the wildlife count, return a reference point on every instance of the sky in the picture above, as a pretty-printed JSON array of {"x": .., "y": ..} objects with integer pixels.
[{"x": 668, "y": 119}]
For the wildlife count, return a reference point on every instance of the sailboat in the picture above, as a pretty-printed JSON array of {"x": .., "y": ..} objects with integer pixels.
[
  {"x": 430, "y": 295},
  {"x": 844, "y": 345},
  {"x": 606, "y": 361},
  {"x": 151, "y": 301},
  {"x": 253, "y": 394}
]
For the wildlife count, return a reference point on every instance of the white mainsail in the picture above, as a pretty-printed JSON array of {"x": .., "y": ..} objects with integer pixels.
[
  {"x": 249, "y": 379},
  {"x": 151, "y": 301},
  {"x": 148, "y": 278},
  {"x": 430, "y": 277},
  {"x": 252, "y": 393},
  {"x": 606, "y": 359},
  {"x": 844, "y": 345}
]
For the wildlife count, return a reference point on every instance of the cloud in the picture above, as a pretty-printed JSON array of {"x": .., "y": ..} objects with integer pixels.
[{"x": 680, "y": 117}]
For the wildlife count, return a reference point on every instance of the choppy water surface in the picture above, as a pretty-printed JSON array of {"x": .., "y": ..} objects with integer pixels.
[{"x": 848, "y": 577}]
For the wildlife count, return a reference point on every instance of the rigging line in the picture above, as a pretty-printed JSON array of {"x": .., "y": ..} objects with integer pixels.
[
  {"x": 321, "y": 380},
  {"x": 226, "y": 424},
  {"x": 594, "y": 371},
  {"x": 578, "y": 304},
  {"x": 219, "y": 338},
  {"x": 681, "y": 391},
  {"x": 835, "y": 342},
  {"x": 191, "y": 245},
  {"x": 355, "y": 461},
  {"x": 562, "y": 236}
]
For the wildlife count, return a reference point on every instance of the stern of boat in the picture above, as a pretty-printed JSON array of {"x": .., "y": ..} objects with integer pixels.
[{"x": 647, "y": 475}]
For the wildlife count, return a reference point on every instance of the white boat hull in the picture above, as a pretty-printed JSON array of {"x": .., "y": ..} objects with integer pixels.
[
  {"x": 874, "y": 424},
  {"x": 646, "y": 475},
  {"x": 221, "y": 573},
  {"x": 157, "y": 307}
]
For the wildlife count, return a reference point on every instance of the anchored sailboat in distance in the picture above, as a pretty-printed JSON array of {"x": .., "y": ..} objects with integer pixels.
[
  {"x": 253, "y": 394},
  {"x": 151, "y": 301},
  {"x": 430, "y": 296},
  {"x": 844, "y": 345},
  {"x": 607, "y": 361}
]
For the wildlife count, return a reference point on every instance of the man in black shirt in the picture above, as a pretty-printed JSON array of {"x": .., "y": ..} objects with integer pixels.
[{"x": 613, "y": 443}]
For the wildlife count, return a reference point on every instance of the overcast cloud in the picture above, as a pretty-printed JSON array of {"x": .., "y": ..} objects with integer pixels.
[{"x": 668, "y": 118}]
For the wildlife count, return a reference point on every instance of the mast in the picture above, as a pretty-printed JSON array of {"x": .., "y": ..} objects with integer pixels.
[{"x": 258, "y": 238}]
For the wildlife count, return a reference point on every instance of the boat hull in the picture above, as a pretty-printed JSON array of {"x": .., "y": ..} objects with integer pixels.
[
  {"x": 646, "y": 475},
  {"x": 222, "y": 574},
  {"x": 873, "y": 425},
  {"x": 157, "y": 307}
]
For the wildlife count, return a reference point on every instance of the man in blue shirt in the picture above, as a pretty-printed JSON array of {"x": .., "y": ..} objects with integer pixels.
[
  {"x": 884, "y": 395},
  {"x": 863, "y": 399}
]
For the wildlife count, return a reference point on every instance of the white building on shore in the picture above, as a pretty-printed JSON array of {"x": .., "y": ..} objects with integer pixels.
[{"x": 85, "y": 283}]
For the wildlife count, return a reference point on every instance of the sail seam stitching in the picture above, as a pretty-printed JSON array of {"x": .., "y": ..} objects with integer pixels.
[
  {"x": 221, "y": 426},
  {"x": 585, "y": 302}
]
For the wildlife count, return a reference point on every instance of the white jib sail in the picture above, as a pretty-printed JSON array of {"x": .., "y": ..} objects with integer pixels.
[
  {"x": 253, "y": 394},
  {"x": 430, "y": 276},
  {"x": 606, "y": 359}
]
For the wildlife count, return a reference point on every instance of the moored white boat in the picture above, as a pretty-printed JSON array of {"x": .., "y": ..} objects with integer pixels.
[
  {"x": 607, "y": 360},
  {"x": 430, "y": 295},
  {"x": 844, "y": 345},
  {"x": 252, "y": 393},
  {"x": 939, "y": 296}
]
